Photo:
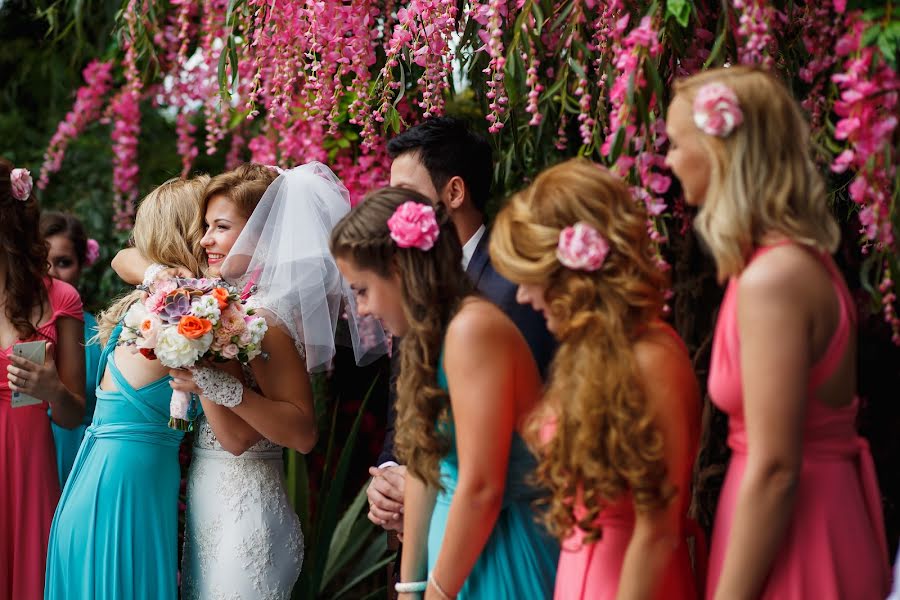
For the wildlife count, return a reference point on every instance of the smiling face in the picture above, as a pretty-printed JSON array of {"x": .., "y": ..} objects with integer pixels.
[
  {"x": 535, "y": 295},
  {"x": 224, "y": 223},
  {"x": 687, "y": 156},
  {"x": 380, "y": 297},
  {"x": 63, "y": 260}
]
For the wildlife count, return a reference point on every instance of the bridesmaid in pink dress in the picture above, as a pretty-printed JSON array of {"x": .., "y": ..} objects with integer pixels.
[
  {"x": 619, "y": 427},
  {"x": 799, "y": 515},
  {"x": 34, "y": 308}
]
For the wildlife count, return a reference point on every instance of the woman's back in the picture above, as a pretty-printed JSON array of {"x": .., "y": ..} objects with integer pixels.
[{"x": 107, "y": 508}]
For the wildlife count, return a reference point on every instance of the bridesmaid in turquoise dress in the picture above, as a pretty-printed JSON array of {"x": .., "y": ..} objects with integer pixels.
[
  {"x": 70, "y": 252},
  {"x": 468, "y": 383},
  {"x": 519, "y": 557},
  {"x": 115, "y": 532}
]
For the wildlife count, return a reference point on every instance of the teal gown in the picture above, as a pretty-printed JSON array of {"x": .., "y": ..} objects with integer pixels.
[
  {"x": 67, "y": 441},
  {"x": 519, "y": 560},
  {"x": 115, "y": 531}
]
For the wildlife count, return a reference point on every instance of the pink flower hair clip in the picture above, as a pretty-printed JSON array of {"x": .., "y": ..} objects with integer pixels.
[
  {"x": 717, "y": 110},
  {"x": 21, "y": 183},
  {"x": 93, "y": 252},
  {"x": 414, "y": 225},
  {"x": 581, "y": 248}
]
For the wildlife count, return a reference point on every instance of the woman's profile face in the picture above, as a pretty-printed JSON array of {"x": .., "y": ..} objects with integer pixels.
[
  {"x": 223, "y": 224},
  {"x": 687, "y": 157},
  {"x": 380, "y": 297},
  {"x": 63, "y": 260}
]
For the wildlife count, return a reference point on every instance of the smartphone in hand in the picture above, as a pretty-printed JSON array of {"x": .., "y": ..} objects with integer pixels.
[{"x": 35, "y": 352}]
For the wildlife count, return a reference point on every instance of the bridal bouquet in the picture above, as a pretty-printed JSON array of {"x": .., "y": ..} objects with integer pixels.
[{"x": 185, "y": 321}]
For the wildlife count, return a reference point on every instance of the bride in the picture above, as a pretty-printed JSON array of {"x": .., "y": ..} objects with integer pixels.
[{"x": 242, "y": 539}]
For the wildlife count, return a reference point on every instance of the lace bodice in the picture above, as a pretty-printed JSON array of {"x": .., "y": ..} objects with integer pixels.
[{"x": 205, "y": 437}]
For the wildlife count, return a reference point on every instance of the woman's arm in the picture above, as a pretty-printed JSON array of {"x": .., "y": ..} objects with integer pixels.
[
  {"x": 774, "y": 331},
  {"x": 673, "y": 398},
  {"x": 479, "y": 360},
  {"x": 59, "y": 381},
  {"x": 284, "y": 411},
  {"x": 418, "y": 504},
  {"x": 130, "y": 266}
]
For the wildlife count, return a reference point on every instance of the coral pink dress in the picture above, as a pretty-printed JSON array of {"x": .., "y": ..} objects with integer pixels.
[
  {"x": 28, "y": 471},
  {"x": 835, "y": 547},
  {"x": 591, "y": 572}
]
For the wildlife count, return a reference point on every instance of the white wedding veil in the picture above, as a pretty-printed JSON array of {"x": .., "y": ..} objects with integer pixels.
[{"x": 283, "y": 253}]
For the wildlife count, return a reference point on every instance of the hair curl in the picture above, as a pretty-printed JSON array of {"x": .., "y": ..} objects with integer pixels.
[
  {"x": 24, "y": 256},
  {"x": 433, "y": 287},
  {"x": 163, "y": 233},
  {"x": 763, "y": 178},
  {"x": 606, "y": 443}
]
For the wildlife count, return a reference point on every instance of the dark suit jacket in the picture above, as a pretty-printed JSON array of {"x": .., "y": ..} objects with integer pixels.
[{"x": 502, "y": 293}]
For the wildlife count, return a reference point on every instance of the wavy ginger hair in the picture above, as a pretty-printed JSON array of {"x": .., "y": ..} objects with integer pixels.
[
  {"x": 606, "y": 443},
  {"x": 165, "y": 233},
  {"x": 433, "y": 286},
  {"x": 762, "y": 178}
]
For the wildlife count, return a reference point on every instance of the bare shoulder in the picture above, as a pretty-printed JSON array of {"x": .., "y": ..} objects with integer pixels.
[
  {"x": 785, "y": 273},
  {"x": 665, "y": 367},
  {"x": 481, "y": 321}
]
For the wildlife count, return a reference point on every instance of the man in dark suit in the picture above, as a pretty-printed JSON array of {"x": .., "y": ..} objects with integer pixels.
[{"x": 443, "y": 160}]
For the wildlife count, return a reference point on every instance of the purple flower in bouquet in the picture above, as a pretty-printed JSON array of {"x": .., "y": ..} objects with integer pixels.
[{"x": 177, "y": 305}]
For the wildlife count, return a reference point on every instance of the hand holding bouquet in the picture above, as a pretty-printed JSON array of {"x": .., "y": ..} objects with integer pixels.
[{"x": 185, "y": 321}]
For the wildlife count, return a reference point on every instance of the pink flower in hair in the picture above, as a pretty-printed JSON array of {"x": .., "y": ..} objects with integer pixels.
[
  {"x": 21, "y": 183},
  {"x": 93, "y": 252},
  {"x": 717, "y": 110},
  {"x": 581, "y": 247},
  {"x": 414, "y": 225}
]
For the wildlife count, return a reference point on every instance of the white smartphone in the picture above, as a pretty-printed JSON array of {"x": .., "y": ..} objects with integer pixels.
[{"x": 33, "y": 351}]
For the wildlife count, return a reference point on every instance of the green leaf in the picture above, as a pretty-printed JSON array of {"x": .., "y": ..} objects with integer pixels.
[
  {"x": 871, "y": 34},
  {"x": 680, "y": 10},
  {"x": 716, "y": 49},
  {"x": 538, "y": 16},
  {"x": 616, "y": 149}
]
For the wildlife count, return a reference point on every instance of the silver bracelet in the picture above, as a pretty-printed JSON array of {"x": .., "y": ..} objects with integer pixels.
[
  {"x": 151, "y": 273},
  {"x": 403, "y": 587},
  {"x": 438, "y": 588}
]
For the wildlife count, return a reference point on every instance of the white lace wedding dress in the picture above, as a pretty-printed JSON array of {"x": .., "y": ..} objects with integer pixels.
[{"x": 242, "y": 539}]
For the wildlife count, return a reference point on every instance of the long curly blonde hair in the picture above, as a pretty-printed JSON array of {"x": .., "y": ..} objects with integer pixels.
[
  {"x": 762, "y": 178},
  {"x": 165, "y": 233},
  {"x": 433, "y": 286},
  {"x": 606, "y": 443}
]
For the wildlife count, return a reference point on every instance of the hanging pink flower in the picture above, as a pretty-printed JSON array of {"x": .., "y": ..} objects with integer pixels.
[
  {"x": 21, "y": 183},
  {"x": 414, "y": 225},
  {"x": 717, "y": 110},
  {"x": 581, "y": 247}
]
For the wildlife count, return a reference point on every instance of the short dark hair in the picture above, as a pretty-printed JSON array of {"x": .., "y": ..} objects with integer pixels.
[{"x": 448, "y": 148}]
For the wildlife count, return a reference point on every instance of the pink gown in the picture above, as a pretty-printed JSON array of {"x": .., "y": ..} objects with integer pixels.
[
  {"x": 835, "y": 546},
  {"x": 28, "y": 471},
  {"x": 591, "y": 572}
]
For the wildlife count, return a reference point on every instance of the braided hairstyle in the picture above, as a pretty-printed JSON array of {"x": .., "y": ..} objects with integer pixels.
[
  {"x": 433, "y": 286},
  {"x": 24, "y": 257}
]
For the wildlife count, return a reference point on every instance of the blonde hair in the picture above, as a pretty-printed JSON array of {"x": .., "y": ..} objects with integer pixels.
[
  {"x": 763, "y": 179},
  {"x": 606, "y": 443},
  {"x": 165, "y": 233}
]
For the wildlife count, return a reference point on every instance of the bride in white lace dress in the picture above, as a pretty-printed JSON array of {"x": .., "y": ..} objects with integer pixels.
[{"x": 242, "y": 538}]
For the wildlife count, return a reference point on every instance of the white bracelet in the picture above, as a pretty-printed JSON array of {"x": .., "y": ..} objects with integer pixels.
[
  {"x": 410, "y": 586},
  {"x": 438, "y": 587},
  {"x": 151, "y": 273}
]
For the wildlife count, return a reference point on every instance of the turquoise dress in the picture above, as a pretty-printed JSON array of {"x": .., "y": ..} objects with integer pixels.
[
  {"x": 115, "y": 531},
  {"x": 519, "y": 559},
  {"x": 67, "y": 441}
]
